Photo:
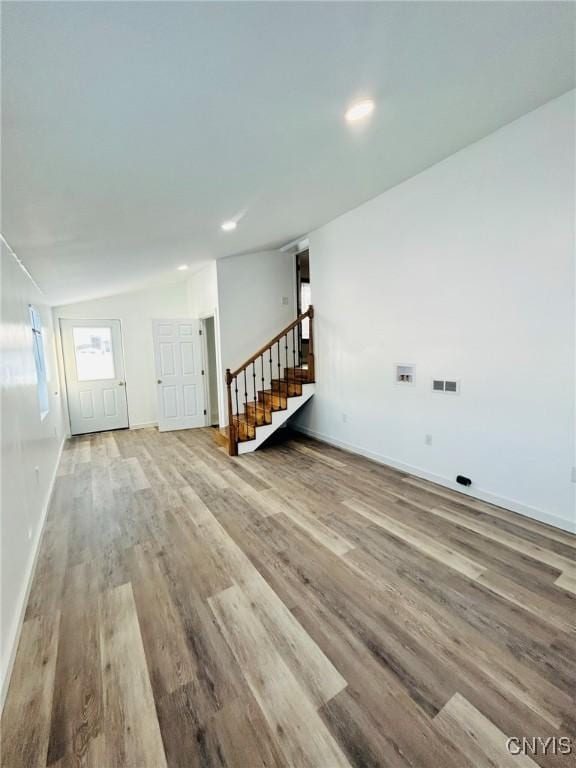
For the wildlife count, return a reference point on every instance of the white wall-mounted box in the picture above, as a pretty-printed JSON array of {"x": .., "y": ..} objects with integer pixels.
[{"x": 404, "y": 374}]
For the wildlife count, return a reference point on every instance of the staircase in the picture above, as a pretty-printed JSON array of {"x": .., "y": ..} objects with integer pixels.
[{"x": 269, "y": 387}]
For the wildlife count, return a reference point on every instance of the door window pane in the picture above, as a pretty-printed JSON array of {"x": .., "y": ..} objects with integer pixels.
[{"x": 93, "y": 352}]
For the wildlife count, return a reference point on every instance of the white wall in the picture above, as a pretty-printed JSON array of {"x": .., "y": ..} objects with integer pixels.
[
  {"x": 136, "y": 310},
  {"x": 203, "y": 291},
  {"x": 203, "y": 303},
  {"x": 466, "y": 271},
  {"x": 251, "y": 289},
  {"x": 28, "y": 442}
]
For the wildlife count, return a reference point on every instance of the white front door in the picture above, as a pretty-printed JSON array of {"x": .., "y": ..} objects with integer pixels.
[
  {"x": 179, "y": 374},
  {"x": 94, "y": 367}
]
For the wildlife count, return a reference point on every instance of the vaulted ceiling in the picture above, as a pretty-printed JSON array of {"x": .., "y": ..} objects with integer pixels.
[{"x": 132, "y": 130}]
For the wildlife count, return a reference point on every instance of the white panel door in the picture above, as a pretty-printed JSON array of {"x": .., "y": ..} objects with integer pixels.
[
  {"x": 179, "y": 374},
  {"x": 94, "y": 367}
]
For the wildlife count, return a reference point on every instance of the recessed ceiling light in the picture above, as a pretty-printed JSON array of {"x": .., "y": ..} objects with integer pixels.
[
  {"x": 360, "y": 110},
  {"x": 182, "y": 267},
  {"x": 228, "y": 226}
]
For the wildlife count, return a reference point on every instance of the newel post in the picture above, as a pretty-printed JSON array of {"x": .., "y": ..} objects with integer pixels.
[
  {"x": 311, "y": 373},
  {"x": 232, "y": 443}
]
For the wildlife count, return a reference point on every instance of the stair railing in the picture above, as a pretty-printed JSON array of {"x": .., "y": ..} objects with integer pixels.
[{"x": 251, "y": 387}]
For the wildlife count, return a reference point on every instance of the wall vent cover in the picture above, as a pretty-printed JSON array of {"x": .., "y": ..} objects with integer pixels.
[{"x": 448, "y": 386}]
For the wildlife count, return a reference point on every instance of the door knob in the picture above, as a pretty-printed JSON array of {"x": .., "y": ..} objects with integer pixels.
[
  {"x": 120, "y": 383},
  {"x": 159, "y": 381}
]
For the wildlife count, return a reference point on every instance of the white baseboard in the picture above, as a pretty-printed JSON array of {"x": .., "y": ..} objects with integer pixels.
[
  {"x": 144, "y": 425},
  {"x": 475, "y": 493},
  {"x": 17, "y": 622}
]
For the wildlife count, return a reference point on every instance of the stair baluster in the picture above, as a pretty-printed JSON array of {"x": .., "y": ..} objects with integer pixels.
[
  {"x": 287, "y": 366},
  {"x": 271, "y": 375},
  {"x": 246, "y": 405},
  {"x": 279, "y": 377},
  {"x": 262, "y": 380},
  {"x": 255, "y": 410},
  {"x": 299, "y": 344},
  {"x": 231, "y": 438}
]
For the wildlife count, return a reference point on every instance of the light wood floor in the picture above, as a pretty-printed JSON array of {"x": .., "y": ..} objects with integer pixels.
[{"x": 298, "y": 606}]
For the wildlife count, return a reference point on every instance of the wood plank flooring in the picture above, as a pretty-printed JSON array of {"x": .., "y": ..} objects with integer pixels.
[{"x": 299, "y": 606}]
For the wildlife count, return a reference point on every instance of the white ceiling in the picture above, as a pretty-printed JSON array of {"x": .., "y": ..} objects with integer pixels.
[{"x": 132, "y": 130}]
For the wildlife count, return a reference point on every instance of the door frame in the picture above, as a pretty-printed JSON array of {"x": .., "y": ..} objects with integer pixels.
[
  {"x": 62, "y": 364},
  {"x": 221, "y": 406},
  {"x": 299, "y": 280},
  {"x": 208, "y": 399}
]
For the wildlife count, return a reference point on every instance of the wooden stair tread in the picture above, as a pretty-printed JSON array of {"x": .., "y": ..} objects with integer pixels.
[
  {"x": 245, "y": 427},
  {"x": 299, "y": 374},
  {"x": 276, "y": 399},
  {"x": 269, "y": 400},
  {"x": 286, "y": 386},
  {"x": 241, "y": 418},
  {"x": 221, "y": 436},
  {"x": 259, "y": 413},
  {"x": 259, "y": 406}
]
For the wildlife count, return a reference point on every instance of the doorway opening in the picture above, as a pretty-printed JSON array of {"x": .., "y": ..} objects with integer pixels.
[
  {"x": 303, "y": 296},
  {"x": 211, "y": 371}
]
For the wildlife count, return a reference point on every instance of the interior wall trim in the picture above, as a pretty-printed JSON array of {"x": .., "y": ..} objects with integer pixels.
[
  {"x": 16, "y": 629},
  {"x": 477, "y": 493}
]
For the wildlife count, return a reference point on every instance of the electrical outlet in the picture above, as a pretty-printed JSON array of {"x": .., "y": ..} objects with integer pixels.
[
  {"x": 37, "y": 473},
  {"x": 285, "y": 301},
  {"x": 428, "y": 439},
  {"x": 345, "y": 418}
]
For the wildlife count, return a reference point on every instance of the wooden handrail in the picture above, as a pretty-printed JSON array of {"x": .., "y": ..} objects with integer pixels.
[{"x": 309, "y": 313}]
